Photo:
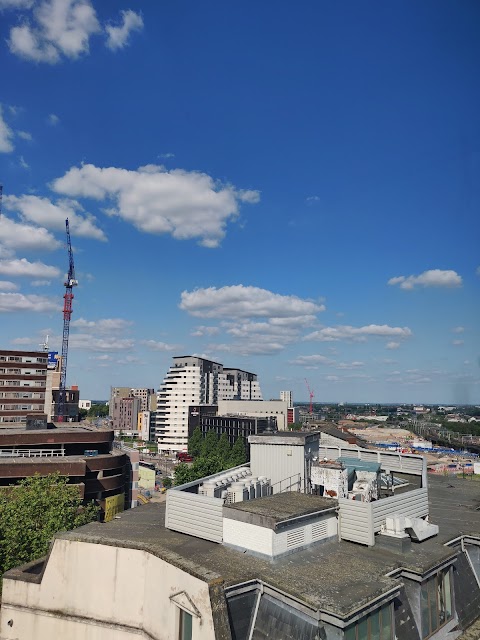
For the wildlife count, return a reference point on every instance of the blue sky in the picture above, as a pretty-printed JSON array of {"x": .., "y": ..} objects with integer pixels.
[{"x": 292, "y": 189}]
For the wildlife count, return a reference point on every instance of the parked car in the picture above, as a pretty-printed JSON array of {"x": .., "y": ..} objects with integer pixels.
[{"x": 183, "y": 456}]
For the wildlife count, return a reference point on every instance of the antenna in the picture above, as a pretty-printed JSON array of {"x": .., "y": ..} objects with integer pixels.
[{"x": 44, "y": 345}]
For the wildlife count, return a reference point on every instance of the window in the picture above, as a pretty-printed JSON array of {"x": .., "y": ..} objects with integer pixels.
[
  {"x": 185, "y": 625},
  {"x": 377, "y": 625},
  {"x": 436, "y": 602}
]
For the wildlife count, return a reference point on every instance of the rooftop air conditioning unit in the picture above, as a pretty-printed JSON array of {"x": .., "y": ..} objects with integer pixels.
[{"x": 237, "y": 492}]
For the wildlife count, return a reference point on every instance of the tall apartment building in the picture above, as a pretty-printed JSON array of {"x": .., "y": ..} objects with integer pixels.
[
  {"x": 194, "y": 381},
  {"x": 287, "y": 397},
  {"x": 23, "y": 379}
]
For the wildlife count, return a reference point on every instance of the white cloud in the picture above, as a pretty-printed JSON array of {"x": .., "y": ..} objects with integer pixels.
[
  {"x": 239, "y": 301},
  {"x": 332, "y": 378},
  {"x": 23, "y": 341},
  {"x": 22, "y": 267},
  {"x": 89, "y": 342},
  {"x": 23, "y": 163},
  {"x": 6, "y": 253},
  {"x": 56, "y": 28},
  {"x": 262, "y": 347},
  {"x": 25, "y": 135},
  {"x": 205, "y": 331},
  {"x": 5, "y": 285},
  {"x": 118, "y": 37},
  {"x": 105, "y": 325},
  {"x": 392, "y": 345},
  {"x": 430, "y": 278},
  {"x": 17, "y": 235},
  {"x": 457, "y": 343},
  {"x": 312, "y": 199},
  {"x": 43, "y": 212},
  {"x": 185, "y": 204},
  {"x": 358, "y": 334},
  {"x": 6, "y": 135},
  {"x": 11, "y": 302},
  {"x": 312, "y": 360},
  {"x": 458, "y": 329},
  {"x": 53, "y": 119},
  {"x": 16, "y": 4},
  {"x": 159, "y": 346},
  {"x": 40, "y": 283},
  {"x": 350, "y": 365}
]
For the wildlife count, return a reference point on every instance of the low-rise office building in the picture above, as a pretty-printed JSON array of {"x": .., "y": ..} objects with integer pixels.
[
  {"x": 83, "y": 454},
  {"x": 257, "y": 408},
  {"x": 205, "y": 417}
]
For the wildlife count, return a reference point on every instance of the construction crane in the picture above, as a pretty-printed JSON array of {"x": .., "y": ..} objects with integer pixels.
[
  {"x": 67, "y": 314},
  {"x": 312, "y": 395}
]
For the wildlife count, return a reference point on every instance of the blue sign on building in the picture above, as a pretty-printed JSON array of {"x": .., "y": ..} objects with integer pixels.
[{"x": 52, "y": 359}]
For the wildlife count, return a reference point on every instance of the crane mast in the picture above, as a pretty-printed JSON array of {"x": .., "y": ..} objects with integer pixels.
[
  {"x": 67, "y": 314},
  {"x": 312, "y": 395}
]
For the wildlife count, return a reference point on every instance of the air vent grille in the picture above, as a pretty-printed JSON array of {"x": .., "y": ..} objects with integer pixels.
[
  {"x": 295, "y": 538},
  {"x": 319, "y": 530}
]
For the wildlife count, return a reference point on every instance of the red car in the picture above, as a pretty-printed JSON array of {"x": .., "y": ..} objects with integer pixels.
[{"x": 183, "y": 456}]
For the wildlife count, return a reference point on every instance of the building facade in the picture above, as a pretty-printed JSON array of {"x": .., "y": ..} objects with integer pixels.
[
  {"x": 205, "y": 417},
  {"x": 287, "y": 397},
  {"x": 124, "y": 413},
  {"x": 23, "y": 381},
  {"x": 83, "y": 454},
  {"x": 275, "y": 408},
  {"x": 194, "y": 381}
]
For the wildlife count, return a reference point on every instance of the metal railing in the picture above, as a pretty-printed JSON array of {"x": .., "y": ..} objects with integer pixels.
[
  {"x": 288, "y": 487},
  {"x": 32, "y": 453}
]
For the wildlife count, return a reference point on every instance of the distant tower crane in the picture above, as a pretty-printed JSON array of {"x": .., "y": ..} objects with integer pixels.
[
  {"x": 312, "y": 395},
  {"x": 67, "y": 314}
]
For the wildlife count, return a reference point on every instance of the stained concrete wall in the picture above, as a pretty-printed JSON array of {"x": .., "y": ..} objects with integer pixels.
[{"x": 93, "y": 591}]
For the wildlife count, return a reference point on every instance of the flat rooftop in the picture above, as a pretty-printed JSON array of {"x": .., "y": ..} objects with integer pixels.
[
  {"x": 334, "y": 577},
  {"x": 284, "y": 437},
  {"x": 51, "y": 432},
  {"x": 284, "y": 506}
]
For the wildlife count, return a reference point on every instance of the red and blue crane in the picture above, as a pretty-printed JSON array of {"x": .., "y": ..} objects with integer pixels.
[{"x": 70, "y": 282}]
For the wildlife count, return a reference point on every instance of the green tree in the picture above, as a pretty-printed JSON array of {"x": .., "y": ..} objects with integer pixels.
[
  {"x": 209, "y": 444},
  {"x": 33, "y": 511},
  {"x": 224, "y": 449},
  {"x": 167, "y": 482},
  {"x": 195, "y": 443},
  {"x": 207, "y": 466},
  {"x": 295, "y": 426},
  {"x": 82, "y": 414},
  {"x": 238, "y": 455},
  {"x": 183, "y": 474},
  {"x": 98, "y": 410}
]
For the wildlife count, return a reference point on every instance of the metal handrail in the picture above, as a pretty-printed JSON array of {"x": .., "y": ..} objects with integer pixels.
[
  {"x": 32, "y": 453},
  {"x": 297, "y": 483}
]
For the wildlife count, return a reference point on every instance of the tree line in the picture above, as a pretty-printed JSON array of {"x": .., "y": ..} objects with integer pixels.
[{"x": 211, "y": 455}]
